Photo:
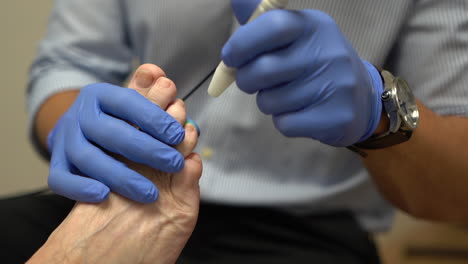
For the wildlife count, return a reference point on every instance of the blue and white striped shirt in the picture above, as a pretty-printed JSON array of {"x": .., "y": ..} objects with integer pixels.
[{"x": 424, "y": 41}]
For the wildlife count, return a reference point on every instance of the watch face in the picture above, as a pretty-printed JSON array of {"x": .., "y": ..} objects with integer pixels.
[{"x": 407, "y": 104}]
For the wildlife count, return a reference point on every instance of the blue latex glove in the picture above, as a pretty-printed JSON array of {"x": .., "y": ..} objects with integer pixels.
[
  {"x": 97, "y": 121},
  {"x": 306, "y": 74}
]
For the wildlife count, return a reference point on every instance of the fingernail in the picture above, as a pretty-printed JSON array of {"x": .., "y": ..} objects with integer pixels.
[
  {"x": 144, "y": 79},
  {"x": 163, "y": 82}
]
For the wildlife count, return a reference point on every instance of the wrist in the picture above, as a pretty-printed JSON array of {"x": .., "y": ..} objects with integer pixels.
[
  {"x": 50, "y": 112},
  {"x": 383, "y": 124}
]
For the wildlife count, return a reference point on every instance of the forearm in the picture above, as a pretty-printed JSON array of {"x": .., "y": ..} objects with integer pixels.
[
  {"x": 52, "y": 109},
  {"x": 426, "y": 176}
]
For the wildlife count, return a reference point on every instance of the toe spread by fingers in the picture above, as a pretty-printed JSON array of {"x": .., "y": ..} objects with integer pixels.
[{"x": 188, "y": 145}]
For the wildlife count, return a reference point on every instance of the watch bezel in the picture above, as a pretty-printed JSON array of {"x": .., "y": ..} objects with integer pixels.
[
  {"x": 408, "y": 115},
  {"x": 400, "y": 127}
]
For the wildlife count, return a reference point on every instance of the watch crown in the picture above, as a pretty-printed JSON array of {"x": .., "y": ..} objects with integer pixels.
[{"x": 386, "y": 95}]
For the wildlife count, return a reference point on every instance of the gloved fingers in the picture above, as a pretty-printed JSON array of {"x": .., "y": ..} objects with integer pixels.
[
  {"x": 292, "y": 124},
  {"x": 63, "y": 181},
  {"x": 76, "y": 187},
  {"x": 98, "y": 165},
  {"x": 139, "y": 111},
  {"x": 272, "y": 69},
  {"x": 119, "y": 137},
  {"x": 244, "y": 9},
  {"x": 313, "y": 123},
  {"x": 294, "y": 96},
  {"x": 271, "y": 31}
]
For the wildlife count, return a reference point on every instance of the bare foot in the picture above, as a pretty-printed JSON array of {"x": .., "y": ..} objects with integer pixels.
[{"x": 122, "y": 231}]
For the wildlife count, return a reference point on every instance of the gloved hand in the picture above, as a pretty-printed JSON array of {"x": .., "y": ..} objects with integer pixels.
[
  {"x": 96, "y": 123},
  {"x": 306, "y": 74}
]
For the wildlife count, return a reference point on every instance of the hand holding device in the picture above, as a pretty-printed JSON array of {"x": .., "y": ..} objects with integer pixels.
[
  {"x": 306, "y": 75},
  {"x": 224, "y": 76}
]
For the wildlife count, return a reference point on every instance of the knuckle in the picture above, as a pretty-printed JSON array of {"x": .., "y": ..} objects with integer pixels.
[
  {"x": 81, "y": 157},
  {"x": 279, "y": 21},
  {"x": 264, "y": 66}
]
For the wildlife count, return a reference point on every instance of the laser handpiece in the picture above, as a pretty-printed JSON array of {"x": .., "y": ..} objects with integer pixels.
[{"x": 224, "y": 76}]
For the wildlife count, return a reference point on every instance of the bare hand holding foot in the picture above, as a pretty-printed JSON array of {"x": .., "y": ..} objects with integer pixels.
[{"x": 122, "y": 231}]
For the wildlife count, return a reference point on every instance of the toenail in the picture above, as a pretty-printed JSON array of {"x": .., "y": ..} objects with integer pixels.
[
  {"x": 194, "y": 124},
  {"x": 189, "y": 127},
  {"x": 164, "y": 82},
  {"x": 144, "y": 79}
]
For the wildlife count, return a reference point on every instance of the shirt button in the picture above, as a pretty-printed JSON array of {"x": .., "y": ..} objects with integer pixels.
[{"x": 207, "y": 153}]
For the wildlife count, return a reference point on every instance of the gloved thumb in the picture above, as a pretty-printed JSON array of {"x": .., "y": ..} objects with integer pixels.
[{"x": 243, "y": 9}]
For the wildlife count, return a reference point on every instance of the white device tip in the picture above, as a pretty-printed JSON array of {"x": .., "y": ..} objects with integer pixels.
[{"x": 223, "y": 77}]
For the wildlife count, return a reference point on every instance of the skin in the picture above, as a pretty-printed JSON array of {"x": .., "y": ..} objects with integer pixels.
[
  {"x": 122, "y": 231},
  {"x": 426, "y": 176}
]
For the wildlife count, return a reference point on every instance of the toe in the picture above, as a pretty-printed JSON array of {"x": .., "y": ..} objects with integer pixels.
[
  {"x": 145, "y": 77},
  {"x": 177, "y": 110},
  {"x": 190, "y": 141},
  {"x": 163, "y": 92}
]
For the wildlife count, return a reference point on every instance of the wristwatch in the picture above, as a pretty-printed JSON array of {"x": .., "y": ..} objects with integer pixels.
[{"x": 400, "y": 106}]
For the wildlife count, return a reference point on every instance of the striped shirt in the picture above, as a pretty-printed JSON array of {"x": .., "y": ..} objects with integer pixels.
[{"x": 424, "y": 41}]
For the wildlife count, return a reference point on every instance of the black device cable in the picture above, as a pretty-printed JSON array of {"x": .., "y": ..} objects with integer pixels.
[{"x": 199, "y": 85}]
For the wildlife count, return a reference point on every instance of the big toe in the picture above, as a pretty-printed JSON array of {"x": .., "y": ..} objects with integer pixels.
[{"x": 150, "y": 81}]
